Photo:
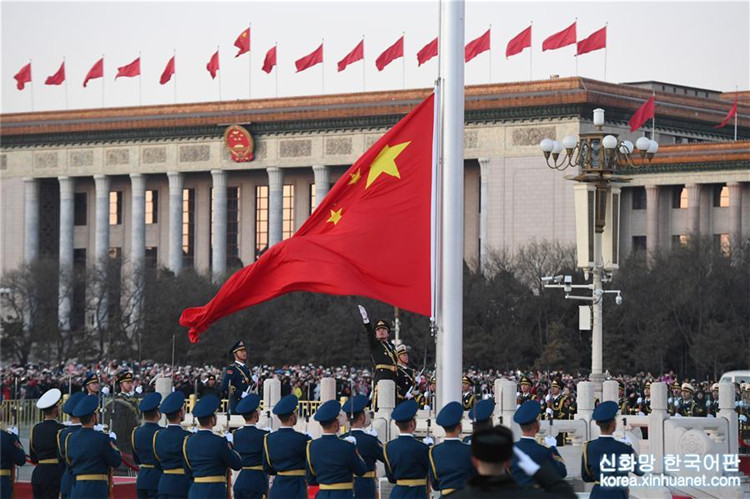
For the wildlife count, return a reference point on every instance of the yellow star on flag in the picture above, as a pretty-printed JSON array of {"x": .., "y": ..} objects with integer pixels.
[
  {"x": 385, "y": 162},
  {"x": 354, "y": 177},
  {"x": 335, "y": 216}
]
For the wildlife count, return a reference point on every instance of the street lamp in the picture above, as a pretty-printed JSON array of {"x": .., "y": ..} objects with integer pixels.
[{"x": 598, "y": 156}]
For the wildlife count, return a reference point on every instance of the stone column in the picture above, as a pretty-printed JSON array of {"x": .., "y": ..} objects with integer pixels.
[
  {"x": 327, "y": 389},
  {"x": 735, "y": 212},
  {"x": 176, "y": 182},
  {"x": 322, "y": 183},
  {"x": 66, "y": 252},
  {"x": 275, "y": 205},
  {"x": 693, "y": 209},
  {"x": 137, "y": 244},
  {"x": 484, "y": 171},
  {"x": 271, "y": 396},
  {"x": 659, "y": 407},
  {"x": 219, "y": 251},
  {"x": 585, "y": 400},
  {"x": 652, "y": 218},
  {"x": 727, "y": 411},
  {"x": 101, "y": 246},
  {"x": 30, "y": 220}
]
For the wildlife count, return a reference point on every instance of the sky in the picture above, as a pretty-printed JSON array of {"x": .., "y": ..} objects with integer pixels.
[{"x": 701, "y": 44}]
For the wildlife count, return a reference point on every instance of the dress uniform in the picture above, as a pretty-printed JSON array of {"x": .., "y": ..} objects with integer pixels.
[
  {"x": 91, "y": 386},
  {"x": 284, "y": 454},
  {"x": 644, "y": 405},
  {"x": 557, "y": 402},
  {"x": 527, "y": 414},
  {"x": 450, "y": 461},
  {"x": 209, "y": 457},
  {"x": 167, "y": 445},
  {"x": 11, "y": 454},
  {"x": 66, "y": 483},
  {"x": 382, "y": 352},
  {"x": 686, "y": 408},
  {"x": 142, "y": 441},
  {"x": 237, "y": 378},
  {"x": 481, "y": 416},
  {"x": 468, "y": 398},
  {"x": 369, "y": 447},
  {"x": 126, "y": 393},
  {"x": 252, "y": 482},
  {"x": 209, "y": 387},
  {"x": 675, "y": 399},
  {"x": 332, "y": 462},
  {"x": 523, "y": 396},
  {"x": 91, "y": 454},
  {"x": 406, "y": 458},
  {"x": 404, "y": 376},
  {"x": 45, "y": 479}
]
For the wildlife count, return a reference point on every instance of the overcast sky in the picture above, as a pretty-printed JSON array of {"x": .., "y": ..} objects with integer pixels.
[{"x": 701, "y": 44}]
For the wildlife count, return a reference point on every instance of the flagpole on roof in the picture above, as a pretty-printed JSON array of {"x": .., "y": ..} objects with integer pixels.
[
  {"x": 174, "y": 55},
  {"x": 322, "y": 67},
  {"x": 403, "y": 61},
  {"x": 490, "y": 51},
  {"x": 66, "y": 87},
  {"x": 219, "y": 71},
  {"x": 103, "y": 78},
  {"x": 364, "y": 87},
  {"x": 605, "y": 53},
  {"x": 140, "y": 80},
  {"x": 250, "y": 61},
  {"x": 276, "y": 53},
  {"x": 576, "y": 44},
  {"x": 653, "y": 118},
  {"x": 531, "y": 49},
  {"x": 735, "y": 114},
  {"x": 31, "y": 86}
]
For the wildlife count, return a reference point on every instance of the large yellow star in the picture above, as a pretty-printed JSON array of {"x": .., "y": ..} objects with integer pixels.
[
  {"x": 335, "y": 216},
  {"x": 354, "y": 177},
  {"x": 385, "y": 162}
]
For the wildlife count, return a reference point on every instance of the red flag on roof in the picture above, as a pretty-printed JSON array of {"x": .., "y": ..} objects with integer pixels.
[
  {"x": 168, "y": 72},
  {"x": 390, "y": 54},
  {"x": 243, "y": 42},
  {"x": 96, "y": 71},
  {"x": 427, "y": 52},
  {"x": 213, "y": 64},
  {"x": 595, "y": 41},
  {"x": 562, "y": 39},
  {"x": 519, "y": 42},
  {"x": 729, "y": 116},
  {"x": 130, "y": 70},
  {"x": 357, "y": 54},
  {"x": 477, "y": 46},
  {"x": 23, "y": 77},
  {"x": 57, "y": 78},
  {"x": 310, "y": 60},
  {"x": 270, "y": 60},
  {"x": 643, "y": 114}
]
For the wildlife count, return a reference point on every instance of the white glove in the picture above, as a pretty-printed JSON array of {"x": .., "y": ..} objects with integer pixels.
[
  {"x": 255, "y": 378},
  {"x": 549, "y": 411},
  {"x": 112, "y": 435},
  {"x": 409, "y": 395},
  {"x": 351, "y": 439},
  {"x": 525, "y": 462},
  {"x": 518, "y": 394},
  {"x": 139, "y": 389},
  {"x": 738, "y": 403},
  {"x": 678, "y": 415},
  {"x": 244, "y": 394},
  {"x": 550, "y": 441},
  {"x": 428, "y": 441},
  {"x": 98, "y": 427},
  {"x": 742, "y": 418},
  {"x": 626, "y": 440},
  {"x": 363, "y": 313},
  {"x": 676, "y": 402},
  {"x": 268, "y": 429},
  {"x": 708, "y": 403},
  {"x": 640, "y": 400},
  {"x": 105, "y": 390},
  {"x": 229, "y": 437},
  {"x": 193, "y": 429},
  {"x": 640, "y": 413},
  {"x": 548, "y": 397},
  {"x": 427, "y": 407},
  {"x": 710, "y": 416},
  {"x": 13, "y": 430}
]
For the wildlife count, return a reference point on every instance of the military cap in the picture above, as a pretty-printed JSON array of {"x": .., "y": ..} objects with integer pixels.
[
  {"x": 286, "y": 405},
  {"x": 124, "y": 376},
  {"x": 525, "y": 381},
  {"x": 72, "y": 401},
  {"x": 402, "y": 349},
  {"x": 248, "y": 405},
  {"x": 355, "y": 404},
  {"x": 211, "y": 377},
  {"x": 86, "y": 406},
  {"x": 466, "y": 380},
  {"x": 405, "y": 411},
  {"x": 90, "y": 378},
  {"x": 482, "y": 411},
  {"x": 528, "y": 412},
  {"x": 50, "y": 399},
  {"x": 206, "y": 406},
  {"x": 327, "y": 412},
  {"x": 173, "y": 402},
  {"x": 647, "y": 385},
  {"x": 450, "y": 415},
  {"x": 687, "y": 387},
  {"x": 492, "y": 445},
  {"x": 382, "y": 323},
  {"x": 556, "y": 384},
  {"x": 240, "y": 345},
  {"x": 150, "y": 402},
  {"x": 715, "y": 387},
  {"x": 605, "y": 411},
  {"x": 675, "y": 384}
]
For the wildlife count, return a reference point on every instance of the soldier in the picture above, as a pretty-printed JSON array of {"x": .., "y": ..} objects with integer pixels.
[
  {"x": 481, "y": 416},
  {"x": 11, "y": 454},
  {"x": 525, "y": 393},
  {"x": 556, "y": 405},
  {"x": 209, "y": 457},
  {"x": 700, "y": 409},
  {"x": 426, "y": 399},
  {"x": 467, "y": 393},
  {"x": 284, "y": 453},
  {"x": 252, "y": 482},
  {"x": 687, "y": 404},
  {"x": 674, "y": 400},
  {"x": 743, "y": 410},
  {"x": 167, "y": 445},
  {"x": 66, "y": 482},
  {"x": 332, "y": 462},
  {"x": 209, "y": 387},
  {"x": 91, "y": 385},
  {"x": 712, "y": 401},
  {"x": 368, "y": 445},
  {"x": 450, "y": 461},
  {"x": 644, "y": 403},
  {"x": 406, "y": 458},
  {"x": 142, "y": 441},
  {"x": 382, "y": 351},
  {"x": 527, "y": 417},
  {"x": 606, "y": 447},
  {"x": 125, "y": 381},
  {"x": 405, "y": 375},
  {"x": 45, "y": 479},
  {"x": 91, "y": 454},
  {"x": 238, "y": 379}
]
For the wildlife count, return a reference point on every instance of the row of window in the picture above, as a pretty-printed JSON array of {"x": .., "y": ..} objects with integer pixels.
[
  {"x": 719, "y": 194},
  {"x": 722, "y": 242},
  {"x": 80, "y": 208}
]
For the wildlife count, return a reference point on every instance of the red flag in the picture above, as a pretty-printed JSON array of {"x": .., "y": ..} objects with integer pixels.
[
  {"x": 562, "y": 39},
  {"x": 477, "y": 46},
  {"x": 23, "y": 77},
  {"x": 213, "y": 64},
  {"x": 130, "y": 70},
  {"x": 270, "y": 61},
  {"x": 643, "y": 114},
  {"x": 731, "y": 113},
  {"x": 428, "y": 52},
  {"x": 339, "y": 249},
  {"x": 168, "y": 72},
  {"x": 355, "y": 55},
  {"x": 519, "y": 42},
  {"x": 595, "y": 41},
  {"x": 310, "y": 60},
  {"x": 57, "y": 78},
  {"x": 96, "y": 71},
  {"x": 243, "y": 42},
  {"x": 390, "y": 54}
]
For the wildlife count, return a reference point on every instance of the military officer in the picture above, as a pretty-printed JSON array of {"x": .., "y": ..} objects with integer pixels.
[
  {"x": 527, "y": 417},
  {"x": 426, "y": 399},
  {"x": 238, "y": 379},
  {"x": 450, "y": 460},
  {"x": 595, "y": 452},
  {"x": 209, "y": 387},
  {"x": 674, "y": 400},
  {"x": 556, "y": 405},
  {"x": 525, "y": 393},
  {"x": 252, "y": 482},
  {"x": 405, "y": 375},
  {"x": 142, "y": 441},
  {"x": 382, "y": 351},
  {"x": 406, "y": 458},
  {"x": 167, "y": 445},
  {"x": 481, "y": 416},
  {"x": 467, "y": 389},
  {"x": 644, "y": 403},
  {"x": 712, "y": 401},
  {"x": 91, "y": 385},
  {"x": 686, "y": 408},
  {"x": 66, "y": 483},
  {"x": 90, "y": 453},
  {"x": 45, "y": 479},
  {"x": 368, "y": 445},
  {"x": 284, "y": 453},
  {"x": 11, "y": 454},
  {"x": 209, "y": 457}
]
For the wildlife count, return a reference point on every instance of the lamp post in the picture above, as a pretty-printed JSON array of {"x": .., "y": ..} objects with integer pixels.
[{"x": 597, "y": 155}]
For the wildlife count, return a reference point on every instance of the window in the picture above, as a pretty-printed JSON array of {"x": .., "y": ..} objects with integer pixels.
[
  {"x": 287, "y": 215},
  {"x": 80, "y": 208},
  {"x": 639, "y": 198},
  {"x": 680, "y": 240},
  {"x": 721, "y": 196},
  {"x": 152, "y": 207},
  {"x": 313, "y": 200},
  {"x": 679, "y": 197},
  {"x": 188, "y": 227},
  {"x": 639, "y": 243},
  {"x": 233, "y": 226},
  {"x": 722, "y": 242},
  {"x": 115, "y": 207},
  {"x": 151, "y": 259},
  {"x": 261, "y": 219}
]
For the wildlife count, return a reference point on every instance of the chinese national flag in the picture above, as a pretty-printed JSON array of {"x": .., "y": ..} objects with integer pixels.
[
  {"x": 595, "y": 41},
  {"x": 96, "y": 71},
  {"x": 729, "y": 116},
  {"x": 339, "y": 250},
  {"x": 243, "y": 42},
  {"x": 355, "y": 55},
  {"x": 168, "y": 72},
  {"x": 428, "y": 52},
  {"x": 57, "y": 78},
  {"x": 562, "y": 39},
  {"x": 643, "y": 114},
  {"x": 213, "y": 65},
  {"x": 477, "y": 46},
  {"x": 270, "y": 61},
  {"x": 130, "y": 70},
  {"x": 390, "y": 54},
  {"x": 519, "y": 42},
  {"x": 310, "y": 60},
  {"x": 23, "y": 77}
]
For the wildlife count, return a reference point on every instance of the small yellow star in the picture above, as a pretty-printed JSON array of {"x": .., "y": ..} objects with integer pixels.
[
  {"x": 335, "y": 216},
  {"x": 354, "y": 177},
  {"x": 385, "y": 162}
]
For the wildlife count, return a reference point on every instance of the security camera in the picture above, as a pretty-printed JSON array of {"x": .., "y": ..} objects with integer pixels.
[
  {"x": 548, "y": 278},
  {"x": 618, "y": 299},
  {"x": 568, "y": 284}
]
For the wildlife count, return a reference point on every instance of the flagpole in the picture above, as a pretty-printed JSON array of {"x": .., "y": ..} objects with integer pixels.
[
  {"x": 174, "y": 54},
  {"x": 576, "y": 55},
  {"x": 735, "y": 113},
  {"x": 31, "y": 86},
  {"x": 364, "y": 87},
  {"x": 653, "y": 118},
  {"x": 66, "y": 88},
  {"x": 250, "y": 62},
  {"x": 140, "y": 81},
  {"x": 103, "y": 78},
  {"x": 403, "y": 62},
  {"x": 322, "y": 68},
  {"x": 490, "y": 31},
  {"x": 531, "y": 49},
  {"x": 219, "y": 71},
  {"x": 276, "y": 52},
  {"x": 605, "y": 51}
]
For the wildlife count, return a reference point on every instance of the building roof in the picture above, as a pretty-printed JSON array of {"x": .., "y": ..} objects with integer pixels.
[{"x": 696, "y": 156}]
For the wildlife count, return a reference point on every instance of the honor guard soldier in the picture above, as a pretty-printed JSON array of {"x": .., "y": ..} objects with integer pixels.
[
  {"x": 382, "y": 352},
  {"x": 91, "y": 454},
  {"x": 45, "y": 479},
  {"x": 209, "y": 387},
  {"x": 606, "y": 447},
  {"x": 142, "y": 440},
  {"x": 252, "y": 482},
  {"x": 686, "y": 408},
  {"x": 527, "y": 417},
  {"x": 126, "y": 393},
  {"x": 481, "y": 416},
  {"x": 368, "y": 445},
  {"x": 712, "y": 402},
  {"x": 406, "y": 458},
  {"x": 284, "y": 453},
  {"x": 525, "y": 393},
  {"x": 91, "y": 385},
  {"x": 556, "y": 402},
  {"x": 209, "y": 457},
  {"x": 674, "y": 400},
  {"x": 405, "y": 374},
  {"x": 237, "y": 377},
  {"x": 332, "y": 462},
  {"x": 450, "y": 461},
  {"x": 644, "y": 403},
  {"x": 11, "y": 455},
  {"x": 467, "y": 389},
  {"x": 66, "y": 483},
  {"x": 174, "y": 482}
]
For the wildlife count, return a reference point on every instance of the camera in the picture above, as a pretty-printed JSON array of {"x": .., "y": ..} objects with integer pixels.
[
  {"x": 568, "y": 284},
  {"x": 618, "y": 299}
]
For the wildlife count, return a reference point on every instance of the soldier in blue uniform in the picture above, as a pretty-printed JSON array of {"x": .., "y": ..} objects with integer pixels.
[
  {"x": 11, "y": 454},
  {"x": 209, "y": 457},
  {"x": 450, "y": 461},
  {"x": 66, "y": 483},
  {"x": 527, "y": 416},
  {"x": 237, "y": 377},
  {"x": 368, "y": 445},
  {"x": 90, "y": 453},
  {"x": 332, "y": 462},
  {"x": 252, "y": 482},
  {"x": 468, "y": 399},
  {"x": 284, "y": 453},
  {"x": 142, "y": 441},
  {"x": 525, "y": 393},
  {"x": 481, "y": 416},
  {"x": 167, "y": 444},
  {"x": 606, "y": 446},
  {"x": 45, "y": 479},
  {"x": 406, "y": 458}
]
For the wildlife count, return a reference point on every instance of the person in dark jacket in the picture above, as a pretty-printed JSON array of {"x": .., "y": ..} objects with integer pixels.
[{"x": 45, "y": 480}]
